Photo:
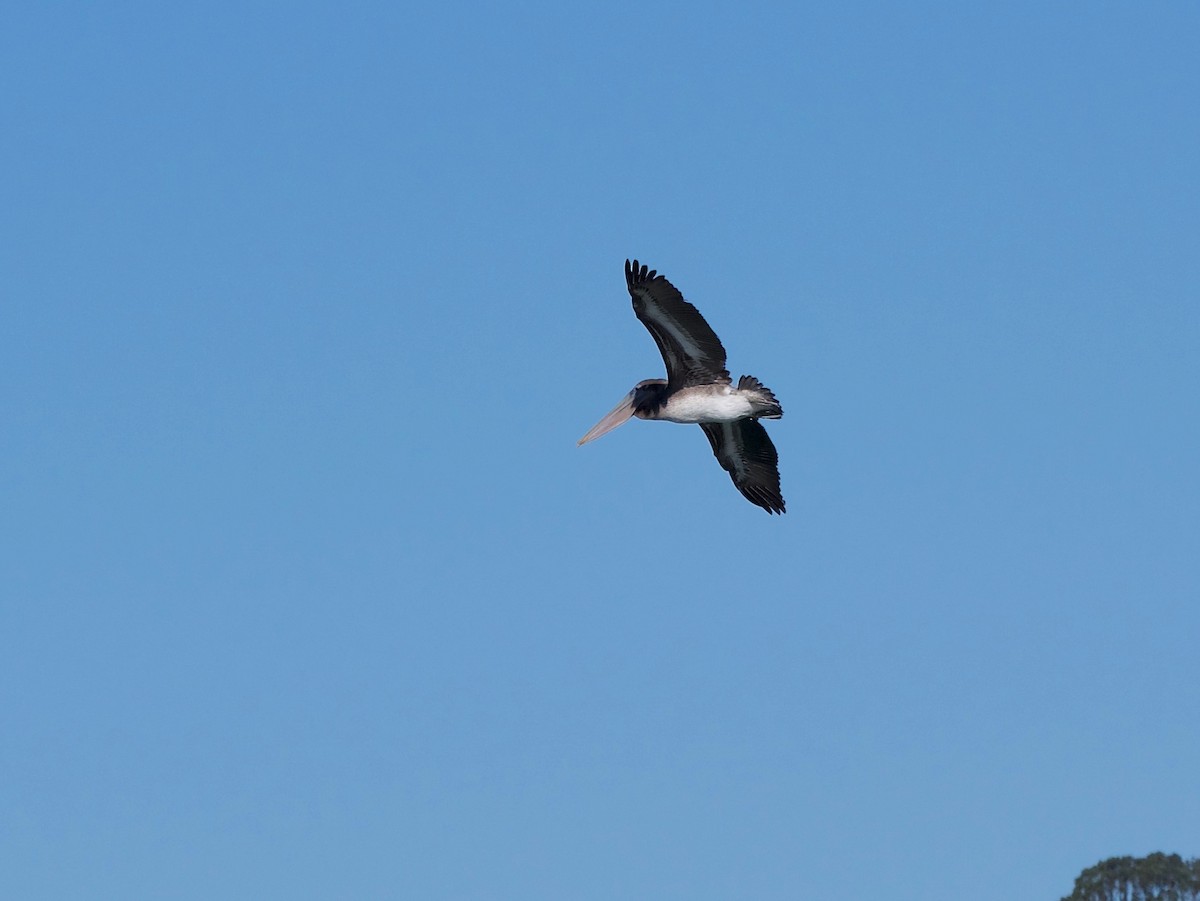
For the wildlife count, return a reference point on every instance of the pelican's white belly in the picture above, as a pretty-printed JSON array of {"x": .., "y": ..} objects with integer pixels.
[{"x": 727, "y": 405}]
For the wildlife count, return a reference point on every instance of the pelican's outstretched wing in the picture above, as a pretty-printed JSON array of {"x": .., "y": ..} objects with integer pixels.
[
  {"x": 690, "y": 348},
  {"x": 745, "y": 451}
]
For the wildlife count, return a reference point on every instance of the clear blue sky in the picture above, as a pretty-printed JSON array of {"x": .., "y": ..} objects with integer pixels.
[{"x": 308, "y": 592}]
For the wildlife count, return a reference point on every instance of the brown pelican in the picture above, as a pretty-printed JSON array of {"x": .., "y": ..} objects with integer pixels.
[{"x": 698, "y": 389}]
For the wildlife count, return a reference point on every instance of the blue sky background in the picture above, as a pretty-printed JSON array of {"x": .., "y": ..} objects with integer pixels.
[{"x": 308, "y": 592}]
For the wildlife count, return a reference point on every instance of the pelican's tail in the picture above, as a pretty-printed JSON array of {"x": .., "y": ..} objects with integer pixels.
[{"x": 761, "y": 398}]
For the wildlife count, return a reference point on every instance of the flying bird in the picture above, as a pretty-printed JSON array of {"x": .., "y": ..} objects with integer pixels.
[{"x": 698, "y": 389}]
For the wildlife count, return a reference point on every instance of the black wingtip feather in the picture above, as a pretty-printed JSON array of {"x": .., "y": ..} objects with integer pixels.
[{"x": 638, "y": 274}]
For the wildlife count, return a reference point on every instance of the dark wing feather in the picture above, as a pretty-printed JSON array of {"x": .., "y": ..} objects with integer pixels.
[
  {"x": 690, "y": 348},
  {"x": 745, "y": 451}
]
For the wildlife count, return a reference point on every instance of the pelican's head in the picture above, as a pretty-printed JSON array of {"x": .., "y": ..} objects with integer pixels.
[{"x": 645, "y": 395}]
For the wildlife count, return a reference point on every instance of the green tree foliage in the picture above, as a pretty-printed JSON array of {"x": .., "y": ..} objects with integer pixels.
[{"x": 1157, "y": 877}]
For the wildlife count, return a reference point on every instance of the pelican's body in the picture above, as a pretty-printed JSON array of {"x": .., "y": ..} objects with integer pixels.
[
  {"x": 698, "y": 390},
  {"x": 705, "y": 403}
]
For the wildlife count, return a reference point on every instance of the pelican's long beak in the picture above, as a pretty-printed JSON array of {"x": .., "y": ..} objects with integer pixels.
[{"x": 620, "y": 413}]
